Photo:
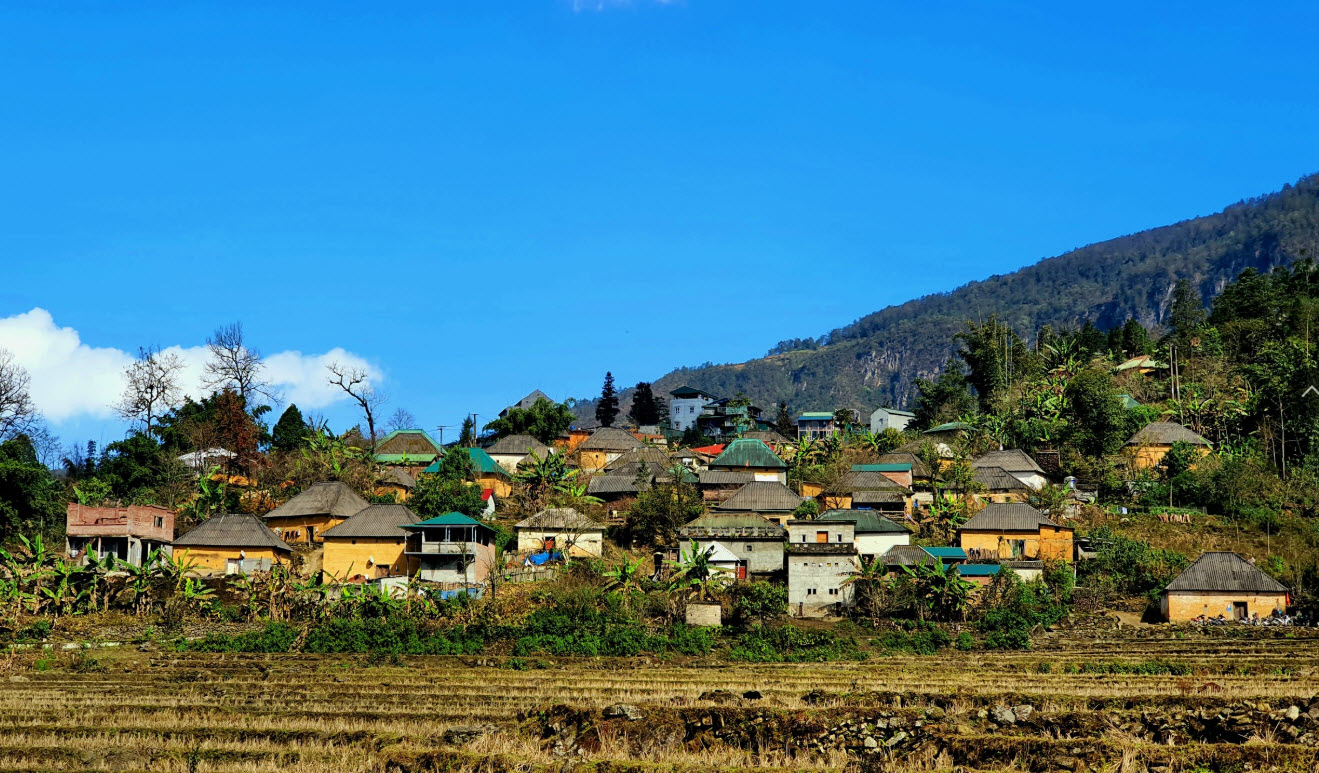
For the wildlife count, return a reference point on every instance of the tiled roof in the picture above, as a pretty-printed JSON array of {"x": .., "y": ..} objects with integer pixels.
[
  {"x": 1009, "y": 517},
  {"x": 1225, "y": 572},
  {"x": 867, "y": 521},
  {"x": 610, "y": 439},
  {"x": 907, "y": 555},
  {"x": 745, "y": 452},
  {"x": 1011, "y": 459},
  {"x": 726, "y": 525},
  {"x": 1165, "y": 433},
  {"x": 332, "y": 498},
  {"x": 408, "y": 441},
  {"x": 998, "y": 479},
  {"x": 480, "y": 460},
  {"x": 653, "y": 456},
  {"x": 725, "y": 478},
  {"x": 763, "y": 497},
  {"x": 559, "y": 518},
  {"x": 374, "y": 521},
  {"x": 864, "y": 480},
  {"x": 232, "y": 530},
  {"x": 919, "y": 469},
  {"x": 519, "y": 444}
]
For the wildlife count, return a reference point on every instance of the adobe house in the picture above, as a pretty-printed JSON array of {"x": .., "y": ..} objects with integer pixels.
[
  {"x": 1015, "y": 531},
  {"x": 1016, "y": 463},
  {"x": 867, "y": 490},
  {"x": 229, "y": 543},
  {"x": 397, "y": 482},
  {"x": 604, "y": 446},
  {"x": 450, "y": 548},
  {"x": 874, "y": 534},
  {"x": 571, "y": 440},
  {"x": 772, "y": 500},
  {"x": 508, "y": 452},
  {"x": 1147, "y": 447},
  {"x": 563, "y": 529},
  {"x": 753, "y": 456},
  {"x": 999, "y": 486},
  {"x": 821, "y": 557},
  {"x": 489, "y": 475},
  {"x": 127, "y": 533},
  {"x": 368, "y": 545},
  {"x": 756, "y": 541},
  {"x": 411, "y": 449},
  {"x": 321, "y": 507},
  {"x": 1222, "y": 583},
  {"x": 718, "y": 485},
  {"x": 898, "y": 472}
]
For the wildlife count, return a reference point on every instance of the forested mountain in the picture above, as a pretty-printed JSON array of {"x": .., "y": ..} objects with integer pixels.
[{"x": 874, "y": 360}]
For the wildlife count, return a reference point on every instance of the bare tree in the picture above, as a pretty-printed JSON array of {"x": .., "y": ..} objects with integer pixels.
[
  {"x": 355, "y": 382},
  {"x": 18, "y": 414},
  {"x": 151, "y": 386},
  {"x": 401, "y": 419},
  {"x": 235, "y": 365}
]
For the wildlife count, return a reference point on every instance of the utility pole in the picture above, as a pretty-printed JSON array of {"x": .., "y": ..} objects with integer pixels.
[{"x": 441, "y": 428}]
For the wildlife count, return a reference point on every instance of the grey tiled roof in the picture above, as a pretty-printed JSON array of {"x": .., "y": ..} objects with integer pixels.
[
  {"x": 332, "y": 498},
  {"x": 610, "y": 439},
  {"x": 559, "y": 518},
  {"x": 1225, "y": 571},
  {"x": 998, "y": 479},
  {"x": 375, "y": 521},
  {"x": 1165, "y": 433},
  {"x": 726, "y": 478},
  {"x": 232, "y": 530},
  {"x": 1009, "y": 517},
  {"x": 1011, "y": 460},
  {"x": 762, "y": 497},
  {"x": 519, "y": 444}
]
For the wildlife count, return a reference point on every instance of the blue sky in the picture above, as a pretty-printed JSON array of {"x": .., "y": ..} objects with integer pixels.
[{"x": 480, "y": 198}]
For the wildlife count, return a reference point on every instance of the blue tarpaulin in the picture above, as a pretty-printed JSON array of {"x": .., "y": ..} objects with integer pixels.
[{"x": 543, "y": 557}]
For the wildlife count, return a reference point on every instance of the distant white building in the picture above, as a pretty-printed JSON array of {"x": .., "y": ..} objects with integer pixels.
[
  {"x": 685, "y": 404},
  {"x": 889, "y": 418}
]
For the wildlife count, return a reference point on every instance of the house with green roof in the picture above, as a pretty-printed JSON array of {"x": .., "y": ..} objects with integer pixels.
[
  {"x": 875, "y": 534},
  {"x": 408, "y": 448},
  {"x": 451, "y": 549},
  {"x": 751, "y": 456},
  {"x": 489, "y": 475},
  {"x": 817, "y": 425}
]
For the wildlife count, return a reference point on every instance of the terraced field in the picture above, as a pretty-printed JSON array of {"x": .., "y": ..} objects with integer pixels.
[{"x": 165, "y": 711}]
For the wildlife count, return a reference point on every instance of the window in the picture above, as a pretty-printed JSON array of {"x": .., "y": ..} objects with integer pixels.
[
  {"x": 810, "y": 591},
  {"x": 840, "y": 536},
  {"x": 750, "y": 548},
  {"x": 833, "y": 591},
  {"x": 160, "y": 521}
]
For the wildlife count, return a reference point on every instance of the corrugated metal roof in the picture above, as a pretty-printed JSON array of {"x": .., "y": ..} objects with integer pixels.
[
  {"x": 610, "y": 439},
  {"x": 746, "y": 452},
  {"x": 867, "y": 521},
  {"x": 374, "y": 521},
  {"x": 1009, "y": 516},
  {"x": 559, "y": 518},
  {"x": 480, "y": 460},
  {"x": 332, "y": 498},
  {"x": 1225, "y": 571},
  {"x": 816, "y": 416},
  {"x": 1011, "y": 460},
  {"x": 978, "y": 570},
  {"x": 883, "y": 467},
  {"x": 762, "y": 497},
  {"x": 1165, "y": 433},
  {"x": 232, "y": 530},
  {"x": 947, "y": 553},
  {"x": 907, "y": 555},
  {"x": 448, "y": 519}
]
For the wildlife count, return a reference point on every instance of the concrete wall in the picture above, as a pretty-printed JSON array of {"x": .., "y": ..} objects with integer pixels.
[
  {"x": 815, "y": 583},
  {"x": 762, "y": 556},
  {"x": 878, "y": 544},
  {"x": 704, "y": 614},
  {"x": 1181, "y": 606},
  {"x": 443, "y": 567},
  {"x": 683, "y": 412},
  {"x": 577, "y": 543},
  {"x": 347, "y": 557},
  {"x": 1049, "y": 543},
  {"x": 881, "y": 420},
  {"x": 808, "y": 532},
  {"x": 509, "y": 462}
]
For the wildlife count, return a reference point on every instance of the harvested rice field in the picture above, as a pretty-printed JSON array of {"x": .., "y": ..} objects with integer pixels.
[{"x": 1158, "y": 705}]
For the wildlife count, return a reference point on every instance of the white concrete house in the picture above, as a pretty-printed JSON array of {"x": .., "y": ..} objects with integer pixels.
[
  {"x": 821, "y": 557},
  {"x": 890, "y": 418},
  {"x": 874, "y": 533}
]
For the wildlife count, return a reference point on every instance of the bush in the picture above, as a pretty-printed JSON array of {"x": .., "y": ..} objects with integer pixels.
[
  {"x": 1131, "y": 566},
  {"x": 789, "y": 644},
  {"x": 926, "y": 639},
  {"x": 1012, "y": 608},
  {"x": 759, "y": 601}
]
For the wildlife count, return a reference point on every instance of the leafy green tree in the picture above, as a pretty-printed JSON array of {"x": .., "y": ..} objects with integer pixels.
[
  {"x": 30, "y": 497},
  {"x": 456, "y": 464},
  {"x": 783, "y": 422},
  {"x": 545, "y": 420},
  {"x": 290, "y": 431},
  {"x": 467, "y": 435},
  {"x": 759, "y": 602},
  {"x": 606, "y": 409},
  {"x": 1188, "y": 315},
  {"x": 943, "y": 399},
  {"x": 995, "y": 356},
  {"x": 658, "y": 512},
  {"x": 435, "y": 495},
  {"x": 645, "y": 410},
  {"x": 1097, "y": 422}
]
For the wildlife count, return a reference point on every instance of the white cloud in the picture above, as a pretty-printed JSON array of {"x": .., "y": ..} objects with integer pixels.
[{"x": 72, "y": 380}]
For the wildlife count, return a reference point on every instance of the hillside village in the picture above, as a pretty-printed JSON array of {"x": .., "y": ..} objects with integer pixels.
[{"x": 1093, "y": 475}]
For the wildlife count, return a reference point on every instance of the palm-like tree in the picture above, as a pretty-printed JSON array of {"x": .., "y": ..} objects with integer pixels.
[
  {"x": 625, "y": 578},
  {"x": 940, "y": 590},
  {"x": 693, "y": 573},
  {"x": 870, "y": 583}
]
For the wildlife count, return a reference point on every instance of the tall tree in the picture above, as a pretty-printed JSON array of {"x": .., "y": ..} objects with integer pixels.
[
  {"x": 1188, "y": 313},
  {"x": 545, "y": 420},
  {"x": 1097, "y": 422},
  {"x": 995, "y": 356},
  {"x": 467, "y": 435},
  {"x": 784, "y": 421},
  {"x": 356, "y": 383},
  {"x": 645, "y": 411},
  {"x": 290, "y": 431},
  {"x": 17, "y": 411},
  {"x": 401, "y": 419},
  {"x": 943, "y": 399},
  {"x": 151, "y": 387},
  {"x": 606, "y": 410},
  {"x": 234, "y": 365}
]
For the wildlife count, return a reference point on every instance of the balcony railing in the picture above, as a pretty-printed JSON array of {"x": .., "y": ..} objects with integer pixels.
[{"x": 440, "y": 548}]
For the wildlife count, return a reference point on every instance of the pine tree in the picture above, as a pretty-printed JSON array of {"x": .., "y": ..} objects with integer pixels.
[
  {"x": 644, "y": 411},
  {"x": 289, "y": 431},
  {"x": 784, "y": 421},
  {"x": 1188, "y": 313},
  {"x": 607, "y": 409},
  {"x": 467, "y": 436}
]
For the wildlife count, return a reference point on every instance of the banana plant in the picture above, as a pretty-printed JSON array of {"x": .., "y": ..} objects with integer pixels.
[{"x": 177, "y": 567}]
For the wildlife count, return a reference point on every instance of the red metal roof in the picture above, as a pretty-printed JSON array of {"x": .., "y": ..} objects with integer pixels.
[{"x": 714, "y": 450}]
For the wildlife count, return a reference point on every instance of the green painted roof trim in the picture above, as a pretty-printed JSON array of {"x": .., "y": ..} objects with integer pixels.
[
  {"x": 950, "y": 427},
  {"x": 893, "y": 467},
  {"x": 400, "y": 458},
  {"x": 815, "y": 416},
  {"x": 748, "y": 452},
  {"x": 448, "y": 519}
]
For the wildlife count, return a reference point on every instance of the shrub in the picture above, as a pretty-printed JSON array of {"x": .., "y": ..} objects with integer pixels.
[
  {"x": 759, "y": 601},
  {"x": 789, "y": 644},
  {"x": 926, "y": 639}
]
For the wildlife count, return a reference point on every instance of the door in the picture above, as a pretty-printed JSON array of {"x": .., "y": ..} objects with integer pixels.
[
  {"x": 741, "y": 570},
  {"x": 549, "y": 544},
  {"x": 311, "y": 534},
  {"x": 822, "y": 537},
  {"x": 1239, "y": 610}
]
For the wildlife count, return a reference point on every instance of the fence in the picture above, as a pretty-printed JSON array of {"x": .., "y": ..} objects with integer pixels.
[{"x": 532, "y": 574}]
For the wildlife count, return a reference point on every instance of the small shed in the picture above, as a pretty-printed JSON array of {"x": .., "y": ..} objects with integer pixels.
[
  {"x": 229, "y": 543},
  {"x": 1222, "y": 583}
]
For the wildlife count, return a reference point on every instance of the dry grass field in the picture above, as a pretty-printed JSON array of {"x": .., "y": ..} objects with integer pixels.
[{"x": 125, "y": 709}]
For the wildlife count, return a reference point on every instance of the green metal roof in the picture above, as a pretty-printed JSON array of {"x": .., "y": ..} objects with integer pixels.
[
  {"x": 867, "y": 521},
  {"x": 686, "y": 391},
  {"x": 815, "y": 416},
  {"x": 1129, "y": 402},
  {"x": 448, "y": 519},
  {"x": 956, "y": 553},
  {"x": 484, "y": 464},
  {"x": 950, "y": 427},
  {"x": 978, "y": 570},
  {"x": 748, "y": 452},
  {"x": 893, "y": 467}
]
